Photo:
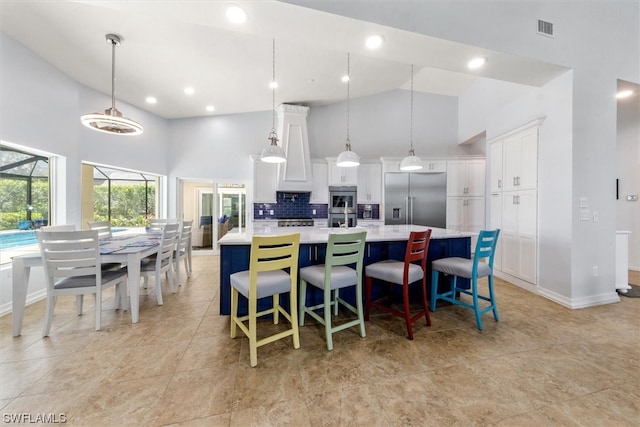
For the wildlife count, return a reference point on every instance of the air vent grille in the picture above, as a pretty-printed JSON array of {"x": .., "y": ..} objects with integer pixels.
[{"x": 545, "y": 28}]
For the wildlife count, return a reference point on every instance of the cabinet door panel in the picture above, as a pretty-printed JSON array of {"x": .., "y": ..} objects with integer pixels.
[
  {"x": 455, "y": 213},
  {"x": 495, "y": 221},
  {"x": 509, "y": 213},
  {"x": 529, "y": 159},
  {"x": 509, "y": 253},
  {"x": 456, "y": 178},
  {"x": 527, "y": 213},
  {"x": 511, "y": 162},
  {"x": 320, "y": 189},
  {"x": 495, "y": 165},
  {"x": 527, "y": 258},
  {"x": 475, "y": 178},
  {"x": 265, "y": 179},
  {"x": 475, "y": 214}
]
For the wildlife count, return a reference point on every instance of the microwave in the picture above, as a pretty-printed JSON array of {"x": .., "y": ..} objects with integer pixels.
[{"x": 339, "y": 197}]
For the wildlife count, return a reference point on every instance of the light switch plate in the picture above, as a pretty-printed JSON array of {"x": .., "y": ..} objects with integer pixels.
[
  {"x": 584, "y": 202},
  {"x": 584, "y": 215}
]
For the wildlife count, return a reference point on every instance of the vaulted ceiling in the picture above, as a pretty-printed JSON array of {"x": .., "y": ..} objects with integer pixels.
[{"x": 170, "y": 45}]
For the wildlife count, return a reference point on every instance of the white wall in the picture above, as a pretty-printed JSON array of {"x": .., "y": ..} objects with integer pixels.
[
  {"x": 40, "y": 107},
  {"x": 379, "y": 126},
  {"x": 600, "y": 42}
]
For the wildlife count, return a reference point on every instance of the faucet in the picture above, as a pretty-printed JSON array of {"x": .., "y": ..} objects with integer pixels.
[{"x": 346, "y": 215}]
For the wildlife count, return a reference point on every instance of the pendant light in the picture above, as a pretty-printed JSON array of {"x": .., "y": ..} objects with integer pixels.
[
  {"x": 411, "y": 162},
  {"x": 273, "y": 153},
  {"x": 348, "y": 158},
  {"x": 112, "y": 121}
]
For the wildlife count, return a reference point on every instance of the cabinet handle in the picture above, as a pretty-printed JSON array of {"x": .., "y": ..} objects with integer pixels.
[
  {"x": 518, "y": 180},
  {"x": 315, "y": 253},
  {"x": 518, "y": 199},
  {"x": 309, "y": 253},
  {"x": 499, "y": 183},
  {"x": 514, "y": 201},
  {"x": 514, "y": 181},
  {"x": 368, "y": 251}
]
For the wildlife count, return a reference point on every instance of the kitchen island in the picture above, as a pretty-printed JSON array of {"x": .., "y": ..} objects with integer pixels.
[{"x": 382, "y": 242}]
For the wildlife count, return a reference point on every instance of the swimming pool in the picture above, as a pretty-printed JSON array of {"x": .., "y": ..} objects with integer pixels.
[{"x": 16, "y": 239}]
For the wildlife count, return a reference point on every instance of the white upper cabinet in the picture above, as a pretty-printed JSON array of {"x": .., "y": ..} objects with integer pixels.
[
  {"x": 428, "y": 166},
  {"x": 320, "y": 190},
  {"x": 341, "y": 176},
  {"x": 466, "y": 178},
  {"x": 370, "y": 183},
  {"x": 495, "y": 167},
  {"x": 520, "y": 160},
  {"x": 294, "y": 174},
  {"x": 265, "y": 178}
]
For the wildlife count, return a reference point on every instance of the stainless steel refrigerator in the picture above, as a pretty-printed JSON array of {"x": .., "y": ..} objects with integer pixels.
[{"x": 415, "y": 198}]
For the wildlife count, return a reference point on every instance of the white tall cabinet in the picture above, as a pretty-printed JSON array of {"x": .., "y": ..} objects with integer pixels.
[
  {"x": 265, "y": 179},
  {"x": 465, "y": 195},
  {"x": 370, "y": 183},
  {"x": 320, "y": 190},
  {"x": 514, "y": 201}
]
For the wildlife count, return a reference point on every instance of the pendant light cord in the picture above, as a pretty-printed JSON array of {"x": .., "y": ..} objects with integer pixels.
[
  {"x": 273, "y": 89},
  {"x": 348, "y": 83},
  {"x": 411, "y": 117},
  {"x": 113, "y": 76}
]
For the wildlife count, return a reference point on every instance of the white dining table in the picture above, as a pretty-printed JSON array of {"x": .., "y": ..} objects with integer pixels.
[{"x": 129, "y": 249}]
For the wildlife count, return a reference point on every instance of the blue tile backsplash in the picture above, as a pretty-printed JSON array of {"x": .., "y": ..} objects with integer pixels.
[{"x": 296, "y": 205}]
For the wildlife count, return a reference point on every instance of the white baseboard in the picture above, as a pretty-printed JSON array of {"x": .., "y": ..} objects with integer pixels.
[
  {"x": 572, "y": 303},
  {"x": 577, "y": 303}
]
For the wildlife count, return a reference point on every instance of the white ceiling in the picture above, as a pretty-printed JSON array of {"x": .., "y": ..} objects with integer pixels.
[{"x": 168, "y": 45}]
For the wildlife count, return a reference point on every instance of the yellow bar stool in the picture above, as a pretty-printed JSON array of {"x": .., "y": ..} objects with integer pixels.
[
  {"x": 266, "y": 277},
  {"x": 343, "y": 250}
]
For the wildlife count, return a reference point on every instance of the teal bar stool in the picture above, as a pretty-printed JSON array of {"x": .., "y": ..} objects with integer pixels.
[
  {"x": 469, "y": 269},
  {"x": 343, "y": 250}
]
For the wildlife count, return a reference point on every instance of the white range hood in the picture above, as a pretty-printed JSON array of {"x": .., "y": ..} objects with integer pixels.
[{"x": 295, "y": 173}]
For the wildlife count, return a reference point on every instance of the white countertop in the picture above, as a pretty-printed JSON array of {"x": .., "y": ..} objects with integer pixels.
[{"x": 382, "y": 233}]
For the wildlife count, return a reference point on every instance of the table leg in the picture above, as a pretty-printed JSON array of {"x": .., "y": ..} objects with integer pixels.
[
  {"x": 20, "y": 283},
  {"x": 133, "y": 268}
]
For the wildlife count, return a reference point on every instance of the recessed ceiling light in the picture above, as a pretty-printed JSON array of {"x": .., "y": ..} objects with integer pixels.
[
  {"x": 374, "y": 41},
  {"x": 345, "y": 79},
  {"x": 624, "y": 94},
  {"x": 273, "y": 85},
  {"x": 236, "y": 14},
  {"x": 211, "y": 108},
  {"x": 476, "y": 63},
  {"x": 189, "y": 90},
  {"x": 151, "y": 100}
]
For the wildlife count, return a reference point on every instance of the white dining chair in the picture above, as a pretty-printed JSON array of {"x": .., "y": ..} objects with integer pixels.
[
  {"x": 157, "y": 224},
  {"x": 163, "y": 261},
  {"x": 182, "y": 252},
  {"x": 103, "y": 228},
  {"x": 61, "y": 227},
  {"x": 72, "y": 267}
]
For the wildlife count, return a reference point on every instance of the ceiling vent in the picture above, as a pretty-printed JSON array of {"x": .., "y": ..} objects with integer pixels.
[{"x": 545, "y": 28}]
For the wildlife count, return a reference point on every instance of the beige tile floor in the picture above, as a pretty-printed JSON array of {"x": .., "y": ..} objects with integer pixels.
[{"x": 542, "y": 364}]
